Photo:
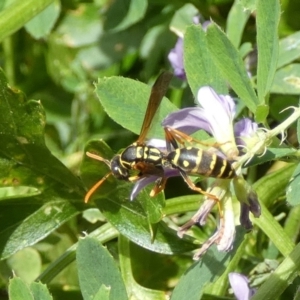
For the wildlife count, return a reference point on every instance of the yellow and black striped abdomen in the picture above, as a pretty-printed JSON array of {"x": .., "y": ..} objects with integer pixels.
[{"x": 195, "y": 161}]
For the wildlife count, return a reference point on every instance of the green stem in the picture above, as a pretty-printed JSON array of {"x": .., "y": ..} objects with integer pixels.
[
  {"x": 274, "y": 231},
  {"x": 104, "y": 233},
  {"x": 220, "y": 287},
  {"x": 134, "y": 290},
  {"x": 9, "y": 66},
  {"x": 281, "y": 278},
  {"x": 292, "y": 223},
  {"x": 18, "y": 14}
]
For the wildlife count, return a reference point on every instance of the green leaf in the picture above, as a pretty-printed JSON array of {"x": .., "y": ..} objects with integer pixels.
[
  {"x": 130, "y": 217},
  {"x": 249, "y": 4},
  {"x": 208, "y": 269},
  {"x": 128, "y": 12},
  {"x": 267, "y": 20},
  {"x": 19, "y": 290},
  {"x": 127, "y": 257},
  {"x": 281, "y": 278},
  {"x": 271, "y": 186},
  {"x": 286, "y": 80},
  {"x": 96, "y": 267},
  {"x": 29, "y": 220},
  {"x": 182, "y": 18},
  {"x": 126, "y": 97},
  {"x": 228, "y": 60},
  {"x": 236, "y": 21},
  {"x": 13, "y": 17},
  {"x": 198, "y": 64},
  {"x": 40, "y": 291},
  {"x": 103, "y": 234},
  {"x": 80, "y": 28},
  {"x": 289, "y": 49},
  {"x": 273, "y": 154},
  {"x": 26, "y": 264},
  {"x": 103, "y": 293},
  {"x": 293, "y": 191},
  {"x": 27, "y": 165},
  {"x": 41, "y": 25},
  {"x": 298, "y": 127},
  {"x": 262, "y": 112}
]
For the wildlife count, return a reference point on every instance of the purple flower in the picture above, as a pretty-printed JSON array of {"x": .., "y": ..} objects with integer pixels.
[
  {"x": 240, "y": 286},
  {"x": 176, "y": 59},
  {"x": 244, "y": 130},
  {"x": 144, "y": 181},
  {"x": 215, "y": 115},
  {"x": 176, "y": 54}
]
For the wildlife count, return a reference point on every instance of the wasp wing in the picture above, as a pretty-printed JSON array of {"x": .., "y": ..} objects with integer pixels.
[{"x": 157, "y": 93}]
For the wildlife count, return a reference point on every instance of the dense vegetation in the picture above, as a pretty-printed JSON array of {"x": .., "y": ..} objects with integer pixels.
[{"x": 75, "y": 77}]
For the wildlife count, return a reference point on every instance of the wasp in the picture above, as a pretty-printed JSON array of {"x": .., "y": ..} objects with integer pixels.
[
  {"x": 146, "y": 160},
  {"x": 149, "y": 160}
]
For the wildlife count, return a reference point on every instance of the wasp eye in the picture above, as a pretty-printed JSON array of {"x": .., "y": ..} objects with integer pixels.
[{"x": 118, "y": 169}]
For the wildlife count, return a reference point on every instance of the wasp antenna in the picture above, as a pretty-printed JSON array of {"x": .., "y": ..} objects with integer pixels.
[
  {"x": 95, "y": 187},
  {"x": 97, "y": 157}
]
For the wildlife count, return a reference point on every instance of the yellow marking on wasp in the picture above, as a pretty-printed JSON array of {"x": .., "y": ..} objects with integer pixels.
[
  {"x": 139, "y": 152},
  {"x": 153, "y": 158},
  {"x": 185, "y": 163},
  {"x": 222, "y": 169},
  {"x": 198, "y": 162},
  {"x": 176, "y": 158},
  {"x": 212, "y": 164}
]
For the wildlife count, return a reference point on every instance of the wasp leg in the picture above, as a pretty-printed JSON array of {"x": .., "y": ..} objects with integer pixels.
[
  {"x": 170, "y": 139},
  {"x": 159, "y": 186},
  {"x": 175, "y": 134},
  {"x": 192, "y": 186},
  {"x": 134, "y": 178}
]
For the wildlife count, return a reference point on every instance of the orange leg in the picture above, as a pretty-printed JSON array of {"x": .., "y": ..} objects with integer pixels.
[
  {"x": 192, "y": 186},
  {"x": 175, "y": 134},
  {"x": 159, "y": 186}
]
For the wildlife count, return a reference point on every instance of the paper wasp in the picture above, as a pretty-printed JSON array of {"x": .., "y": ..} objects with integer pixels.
[
  {"x": 149, "y": 160},
  {"x": 195, "y": 161}
]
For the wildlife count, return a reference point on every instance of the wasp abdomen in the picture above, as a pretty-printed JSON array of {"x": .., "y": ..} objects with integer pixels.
[{"x": 195, "y": 161}]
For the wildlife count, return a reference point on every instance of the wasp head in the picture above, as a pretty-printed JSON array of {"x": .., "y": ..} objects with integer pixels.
[{"x": 118, "y": 169}]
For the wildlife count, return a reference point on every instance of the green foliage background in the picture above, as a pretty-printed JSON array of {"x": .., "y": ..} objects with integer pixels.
[{"x": 58, "y": 59}]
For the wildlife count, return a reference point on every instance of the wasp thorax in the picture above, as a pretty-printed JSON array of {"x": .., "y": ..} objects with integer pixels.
[{"x": 117, "y": 168}]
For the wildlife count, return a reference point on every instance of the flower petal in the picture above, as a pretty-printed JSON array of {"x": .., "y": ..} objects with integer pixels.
[
  {"x": 176, "y": 59},
  {"x": 219, "y": 111},
  {"x": 187, "y": 120},
  {"x": 240, "y": 287},
  {"x": 244, "y": 129},
  {"x": 144, "y": 181}
]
